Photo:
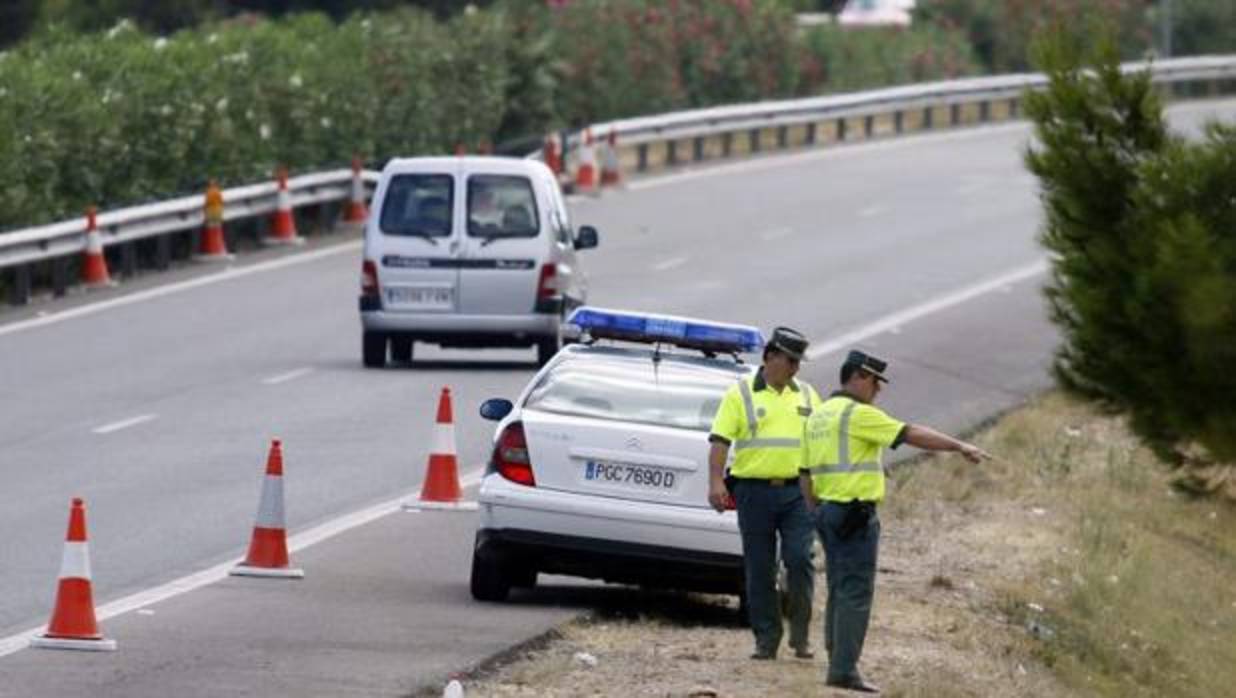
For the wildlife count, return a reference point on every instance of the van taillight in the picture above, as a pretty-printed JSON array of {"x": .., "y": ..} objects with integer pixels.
[
  {"x": 511, "y": 456},
  {"x": 369, "y": 278},
  {"x": 546, "y": 288}
]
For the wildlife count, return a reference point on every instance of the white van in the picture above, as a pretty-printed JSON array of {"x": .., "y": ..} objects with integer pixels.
[{"x": 468, "y": 251}]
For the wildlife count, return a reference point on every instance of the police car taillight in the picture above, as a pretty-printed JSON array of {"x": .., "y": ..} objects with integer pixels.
[
  {"x": 369, "y": 278},
  {"x": 511, "y": 456}
]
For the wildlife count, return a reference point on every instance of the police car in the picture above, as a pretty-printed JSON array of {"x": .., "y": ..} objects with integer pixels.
[{"x": 600, "y": 467}]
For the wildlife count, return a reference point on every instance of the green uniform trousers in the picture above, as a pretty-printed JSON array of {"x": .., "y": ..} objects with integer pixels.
[{"x": 851, "y": 537}]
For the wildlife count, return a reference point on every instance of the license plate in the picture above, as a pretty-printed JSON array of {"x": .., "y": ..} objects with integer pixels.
[
  {"x": 427, "y": 297},
  {"x": 629, "y": 475}
]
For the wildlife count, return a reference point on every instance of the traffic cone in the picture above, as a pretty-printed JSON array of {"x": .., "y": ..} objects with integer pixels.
[
  {"x": 355, "y": 214},
  {"x": 213, "y": 246},
  {"x": 283, "y": 224},
  {"x": 611, "y": 173},
  {"x": 94, "y": 266},
  {"x": 441, "y": 488},
  {"x": 268, "y": 550},
  {"x": 552, "y": 154},
  {"x": 586, "y": 169},
  {"x": 72, "y": 625}
]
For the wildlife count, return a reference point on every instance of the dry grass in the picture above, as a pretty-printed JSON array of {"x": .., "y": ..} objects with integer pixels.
[{"x": 1066, "y": 567}]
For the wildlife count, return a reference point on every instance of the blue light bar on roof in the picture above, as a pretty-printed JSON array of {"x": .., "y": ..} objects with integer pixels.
[{"x": 690, "y": 333}]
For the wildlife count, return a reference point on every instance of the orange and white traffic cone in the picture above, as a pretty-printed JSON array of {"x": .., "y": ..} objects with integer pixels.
[
  {"x": 611, "y": 172},
  {"x": 552, "y": 154},
  {"x": 94, "y": 266},
  {"x": 73, "y": 625},
  {"x": 268, "y": 550},
  {"x": 356, "y": 213},
  {"x": 213, "y": 246},
  {"x": 586, "y": 167},
  {"x": 441, "y": 488},
  {"x": 283, "y": 223}
]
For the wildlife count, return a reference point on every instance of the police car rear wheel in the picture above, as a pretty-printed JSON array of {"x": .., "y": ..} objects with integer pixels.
[
  {"x": 373, "y": 349},
  {"x": 490, "y": 580}
]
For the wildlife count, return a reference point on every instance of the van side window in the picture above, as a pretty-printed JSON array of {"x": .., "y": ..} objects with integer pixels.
[
  {"x": 502, "y": 206},
  {"x": 418, "y": 205},
  {"x": 559, "y": 217}
]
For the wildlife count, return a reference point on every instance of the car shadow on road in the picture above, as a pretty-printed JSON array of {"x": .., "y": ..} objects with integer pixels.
[
  {"x": 464, "y": 365},
  {"x": 612, "y": 602}
]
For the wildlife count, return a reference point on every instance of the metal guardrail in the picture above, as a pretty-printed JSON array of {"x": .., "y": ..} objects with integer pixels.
[
  {"x": 651, "y": 142},
  {"x": 645, "y": 144}
]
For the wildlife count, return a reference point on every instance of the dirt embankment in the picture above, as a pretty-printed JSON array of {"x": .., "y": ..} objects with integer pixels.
[{"x": 992, "y": 583}]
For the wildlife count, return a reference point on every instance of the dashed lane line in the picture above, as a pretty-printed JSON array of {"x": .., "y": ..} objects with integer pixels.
[{"x": 124, "y": 424}]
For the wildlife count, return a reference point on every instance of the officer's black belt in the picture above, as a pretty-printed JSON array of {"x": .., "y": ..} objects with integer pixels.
[{"x": 769, "y": 482}]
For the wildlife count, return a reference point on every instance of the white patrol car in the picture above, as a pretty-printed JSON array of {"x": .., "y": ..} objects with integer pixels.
[{"x": 600, "y": 467}]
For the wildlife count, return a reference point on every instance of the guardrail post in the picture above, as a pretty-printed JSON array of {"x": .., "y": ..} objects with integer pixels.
[
  {"x": 326, "y": 217},
  {"x": 753, "y": 136},
  {"x": 869, "y": 126},
  {"x": 841, "y": 129},
  {"x": 899, "y": 119},
  {"x": 783, "y": 137},
  {"x": 671, "y": 153},
  {"x": 19, "y": 291},
  {"x": 1014, "y": 108},
  {"x": 809, "y": 139},
  {"x": 727, "y": 144},
  {"x": 128, "y": 258},
  {"x": 697, "y": 146},
  {"x": 60, "y": 276},
  {"x": 163, "y": 252},
  {"x": 929, "y": 118},
  {"x": 641, "y": 162},
  {"x": 954, "y": 114},
  {"x": 984, "y": 111}
]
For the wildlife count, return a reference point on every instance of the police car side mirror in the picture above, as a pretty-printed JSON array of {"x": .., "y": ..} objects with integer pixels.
[
  {"x": 587, "y": 238},
  {"x": 494, "y": 409}
]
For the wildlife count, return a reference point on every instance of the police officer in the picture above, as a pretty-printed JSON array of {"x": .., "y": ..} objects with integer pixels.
[
  {"x": 763, "y": 417},
  {"x": 843, "y": 482}
]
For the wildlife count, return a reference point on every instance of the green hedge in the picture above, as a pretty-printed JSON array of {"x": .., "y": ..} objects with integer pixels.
[{"x": 120, "y": 117}]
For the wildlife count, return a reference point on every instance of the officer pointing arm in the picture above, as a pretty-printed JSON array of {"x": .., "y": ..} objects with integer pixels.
[{"x": 843, "y": 483}]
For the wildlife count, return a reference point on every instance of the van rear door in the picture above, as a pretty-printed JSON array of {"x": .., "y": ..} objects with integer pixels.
[
  {"x": 504, "y": 248},
  {"x": 418, "y": 270}
]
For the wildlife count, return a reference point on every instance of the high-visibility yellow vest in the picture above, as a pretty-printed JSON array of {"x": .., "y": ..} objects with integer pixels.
[
  {"x": 844, "y": 449},
  {"x": 764, "y": 427}
]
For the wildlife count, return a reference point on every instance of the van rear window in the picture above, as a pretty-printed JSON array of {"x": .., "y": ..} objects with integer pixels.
[
  {"x": 502, "y": 206},
  {"x": 418, "y": 205}
]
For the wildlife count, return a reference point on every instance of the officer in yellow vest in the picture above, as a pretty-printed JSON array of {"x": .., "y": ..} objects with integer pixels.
[
  {"x": 763, "y": 417},
  {"x": 843, "y": 483}
]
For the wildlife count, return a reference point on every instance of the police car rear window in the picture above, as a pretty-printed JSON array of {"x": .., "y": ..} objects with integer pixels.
[
  {"x": 672, "y": 395},
  {"x": 418, "y": 205}
]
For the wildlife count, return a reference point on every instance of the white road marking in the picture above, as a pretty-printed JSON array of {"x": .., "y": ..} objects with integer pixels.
[
  {"x": 225, "y": 274},
  {"x": 124, "y": 424},
  {"x": 670, "y": 263},
  {"x": 901, "y": 317},
  {"x": 871, "y": 211},
  {"x": 197, "y": 580},
  {"x": 285, "y": 377},
  {"x": 776, "y": 233}
]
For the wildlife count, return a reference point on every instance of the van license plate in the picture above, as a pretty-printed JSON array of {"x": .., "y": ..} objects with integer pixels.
[
  {"x": 629, "y": 475},
  {"x": 427, "y": 297}
]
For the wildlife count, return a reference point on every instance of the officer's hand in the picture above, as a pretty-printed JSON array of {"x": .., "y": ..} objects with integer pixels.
[
  {"x": 973, "y": 453},
  {"x": 718, "y": 496}
]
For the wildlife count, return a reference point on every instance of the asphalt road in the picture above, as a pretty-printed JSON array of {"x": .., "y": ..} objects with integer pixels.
[{"x": 158, "y": 409}]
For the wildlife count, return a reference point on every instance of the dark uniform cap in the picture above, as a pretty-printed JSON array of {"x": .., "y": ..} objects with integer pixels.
[
  {"x": 789, "y": 342},
  {"x": 868, "y": 363}
]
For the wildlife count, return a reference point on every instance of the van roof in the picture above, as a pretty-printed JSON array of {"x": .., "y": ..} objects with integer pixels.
[{"x": 466, "y": 164}]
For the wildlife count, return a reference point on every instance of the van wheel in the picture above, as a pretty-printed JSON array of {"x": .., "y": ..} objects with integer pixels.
[
  {"x": 373, "y": 349},
  {"x": 546, "y": 347},
  {"x": 489, "y": 575},
  {"x": 401, "y": 350}
]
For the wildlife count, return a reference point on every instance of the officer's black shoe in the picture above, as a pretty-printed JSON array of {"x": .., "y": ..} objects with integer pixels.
[
  {"x": 764, "y": 654},
  {"x": 853, "y": 683},
  {"x": 804, "y": 653}
]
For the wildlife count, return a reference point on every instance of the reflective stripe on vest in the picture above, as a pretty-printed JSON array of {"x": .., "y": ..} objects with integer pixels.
[
  {"x": 748, "y": 404},
  {"x": 843, "y": 464}
]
